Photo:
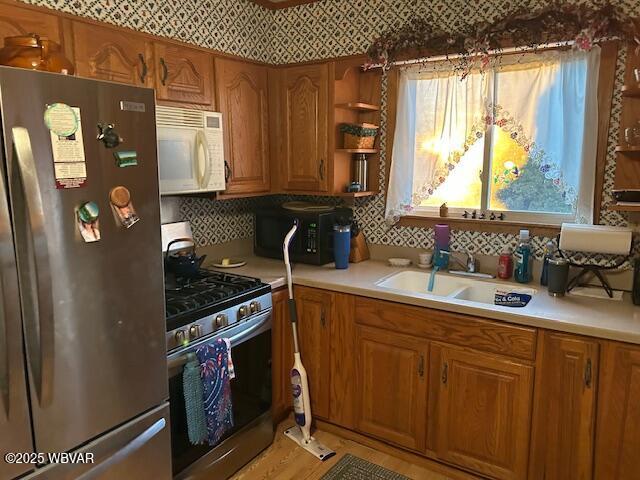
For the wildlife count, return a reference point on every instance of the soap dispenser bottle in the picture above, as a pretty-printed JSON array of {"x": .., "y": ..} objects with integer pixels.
[{"x": 522, "y": 255}]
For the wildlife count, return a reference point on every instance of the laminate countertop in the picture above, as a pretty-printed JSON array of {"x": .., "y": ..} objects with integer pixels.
[{"x": 601, "y": 318}]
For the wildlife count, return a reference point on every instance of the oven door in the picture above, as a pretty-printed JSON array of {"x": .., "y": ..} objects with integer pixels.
[
  {"x": 183, "y": 157},
  {"x": 251, "y": 398}
]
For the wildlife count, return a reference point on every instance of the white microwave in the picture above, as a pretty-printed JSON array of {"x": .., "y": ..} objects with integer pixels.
[{"x": 190, "y": 151}]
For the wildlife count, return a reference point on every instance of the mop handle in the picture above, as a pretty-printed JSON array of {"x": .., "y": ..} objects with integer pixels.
[{"x": 293, "y": 315}]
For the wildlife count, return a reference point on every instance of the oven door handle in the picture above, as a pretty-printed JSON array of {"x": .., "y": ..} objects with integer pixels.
[{"x": 237, "y": 339}]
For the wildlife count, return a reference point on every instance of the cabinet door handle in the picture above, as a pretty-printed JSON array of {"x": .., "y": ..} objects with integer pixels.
[
  {"x": 227, "y": 171},
  {"x": 143, "y": 74},
  {"x": 321, "y": 169},
  {"x": 445, "y": 373},
  {"x": 165, "y": 71},
  {"x": 588, "y": 374},
  {"x": 421, "y": 366},
  {"x": 323, "y": 320}
]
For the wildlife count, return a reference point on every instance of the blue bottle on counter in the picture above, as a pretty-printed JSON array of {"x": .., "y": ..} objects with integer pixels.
[
  {"x": 341, "y": 245},
  {"x": 522, "y": 272}
]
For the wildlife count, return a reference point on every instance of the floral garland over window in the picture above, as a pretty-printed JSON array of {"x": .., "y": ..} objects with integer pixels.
[{"x": 479, "y": 46}]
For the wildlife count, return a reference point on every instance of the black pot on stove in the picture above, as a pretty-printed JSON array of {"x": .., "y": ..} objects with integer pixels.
[{"x": 183, "y": 262}]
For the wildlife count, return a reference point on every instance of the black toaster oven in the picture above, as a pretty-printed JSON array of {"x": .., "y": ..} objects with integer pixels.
[{"x": 313, "y": 243}]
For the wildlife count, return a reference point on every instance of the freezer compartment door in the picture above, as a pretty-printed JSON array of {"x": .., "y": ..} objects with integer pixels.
[
  {"x": 15, "y": 425},
  {"x": 141, "y": 449},
  {"x": 93, "y": 312}
]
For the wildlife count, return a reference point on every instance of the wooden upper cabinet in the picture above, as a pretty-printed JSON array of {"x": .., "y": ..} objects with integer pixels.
[
  {"x": 565, "y": 409},
  {"x": 15, "y": 21},
  {"x": 183, "y": 75},
  {"x": 304, "y": 135},
  {"x": 111, "y": 54},
  {"x": 243, "y": 100},
  {"x": 315, "y": 311},
  {"x": 480, "y": 411},
  {"x": 618, "y": 424},
  {"x": 392, "y": 386}
]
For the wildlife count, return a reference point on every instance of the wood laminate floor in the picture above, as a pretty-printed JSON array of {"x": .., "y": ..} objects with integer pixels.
[{"x": 285, "y": 460}]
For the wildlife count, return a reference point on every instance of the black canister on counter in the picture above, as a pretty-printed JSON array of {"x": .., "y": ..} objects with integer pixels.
[{"x": 557, "y": 276}]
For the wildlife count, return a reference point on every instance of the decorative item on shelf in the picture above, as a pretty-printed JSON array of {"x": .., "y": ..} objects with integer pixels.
[
  {"x": 359, "y": 135},
  {"x": 35, "y": 53},
  {"x": 359, "y": 250},
  {"x": 444, "y": 210},
  {"x": 492, "y": 216},
  {"x": 361, "y": 171},
  {"x": 474, "y": 215},
  {"x": 632, "y": 135},
  {"x": 354, "y": 187},
  {"x": 501, "y": 216},
  {"x": 465, "y": 214},
  {"x": 483, "y": 216}
]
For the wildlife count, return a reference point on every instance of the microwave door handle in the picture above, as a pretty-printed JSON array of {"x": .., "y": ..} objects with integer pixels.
[
  {"x": 201, "y": 141},
  {"x": 34, "y": 269}
]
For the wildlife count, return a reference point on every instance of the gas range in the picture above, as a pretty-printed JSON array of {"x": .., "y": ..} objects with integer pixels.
[{"x": 210, "y": 301}]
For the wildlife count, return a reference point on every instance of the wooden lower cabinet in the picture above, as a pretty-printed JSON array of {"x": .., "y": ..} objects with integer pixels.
[
  {"x": 392, "y": 386},
  {"x": 480, "y": 411},
  {"x": 315, "y": 312},
  {"x": 462, "y": 391},
  {"x": 281, "y": 356},
  {"x": 618, "y": 425},
  {"x": 564, "y": 408}
]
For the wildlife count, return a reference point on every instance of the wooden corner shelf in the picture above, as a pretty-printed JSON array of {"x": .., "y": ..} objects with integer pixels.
[
  {"x": 359, "y": 106},
  {"x": 629, "y": 91},
  {"x": 357, "y": 194},
  {"x": 627, "y": 149},
  {"x": 625, "y": 207},
  {"x": 357, "y": 150}
]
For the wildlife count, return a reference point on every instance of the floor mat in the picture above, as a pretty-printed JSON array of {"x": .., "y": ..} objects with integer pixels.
[{"x": 351, "y": 467}]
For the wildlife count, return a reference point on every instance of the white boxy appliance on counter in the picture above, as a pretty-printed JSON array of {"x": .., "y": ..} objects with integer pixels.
[{"x": 190, "y": 151}]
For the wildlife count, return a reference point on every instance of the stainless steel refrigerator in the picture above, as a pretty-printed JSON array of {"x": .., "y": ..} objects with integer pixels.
[{"x": 82, "y": 324}]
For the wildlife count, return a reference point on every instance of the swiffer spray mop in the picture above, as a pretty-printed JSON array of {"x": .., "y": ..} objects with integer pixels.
[{"x": 301, "y": 434}]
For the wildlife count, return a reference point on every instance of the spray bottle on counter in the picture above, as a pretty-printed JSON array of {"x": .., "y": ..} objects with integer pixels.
[{"x": 522, "y": 255}]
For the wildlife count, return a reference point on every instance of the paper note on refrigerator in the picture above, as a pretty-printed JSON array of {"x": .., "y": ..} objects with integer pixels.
[{"x": 68, "y": 157}]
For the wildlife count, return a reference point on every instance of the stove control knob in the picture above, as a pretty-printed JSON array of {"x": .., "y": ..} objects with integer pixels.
[
  {"x": 220, "y": 321},
  {"x": 195, "y": 331},
  {"x": 243, "y": 311},
  {"x": 254, "y": 306},
  {"x": 180, "y": 337}
]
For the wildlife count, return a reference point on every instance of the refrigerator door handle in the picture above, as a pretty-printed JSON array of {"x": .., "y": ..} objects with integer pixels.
[
  {"x": 6, "y": 250},
  {"x": 128, "y": 449},
  {"x": 35, "y": 273},
  {"x": 201, "y": 141}
]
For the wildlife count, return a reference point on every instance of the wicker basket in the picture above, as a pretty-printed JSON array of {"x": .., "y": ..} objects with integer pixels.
[{"x": 359, "y": 135}]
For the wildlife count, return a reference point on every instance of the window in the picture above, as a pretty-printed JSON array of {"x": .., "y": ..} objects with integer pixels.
[{"x": 519, "y": 139}]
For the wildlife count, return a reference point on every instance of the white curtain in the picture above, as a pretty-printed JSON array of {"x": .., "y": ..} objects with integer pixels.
[
  {"x": 547, "y": 101},
  {"x": 434, "y": 127}
]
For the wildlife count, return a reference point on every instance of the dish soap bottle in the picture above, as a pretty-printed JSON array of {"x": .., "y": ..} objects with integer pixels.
[{"x": 522, "y": 255}]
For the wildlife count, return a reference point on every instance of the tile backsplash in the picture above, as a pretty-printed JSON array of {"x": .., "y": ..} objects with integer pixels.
[{"x": 324, "y": 29}]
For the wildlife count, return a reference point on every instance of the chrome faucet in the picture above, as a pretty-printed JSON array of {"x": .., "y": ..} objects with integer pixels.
[{"x": 471, "y": 264}]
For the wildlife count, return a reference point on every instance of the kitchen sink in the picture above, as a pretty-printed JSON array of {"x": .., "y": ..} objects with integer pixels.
[{"x": 445, "y": 285}]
